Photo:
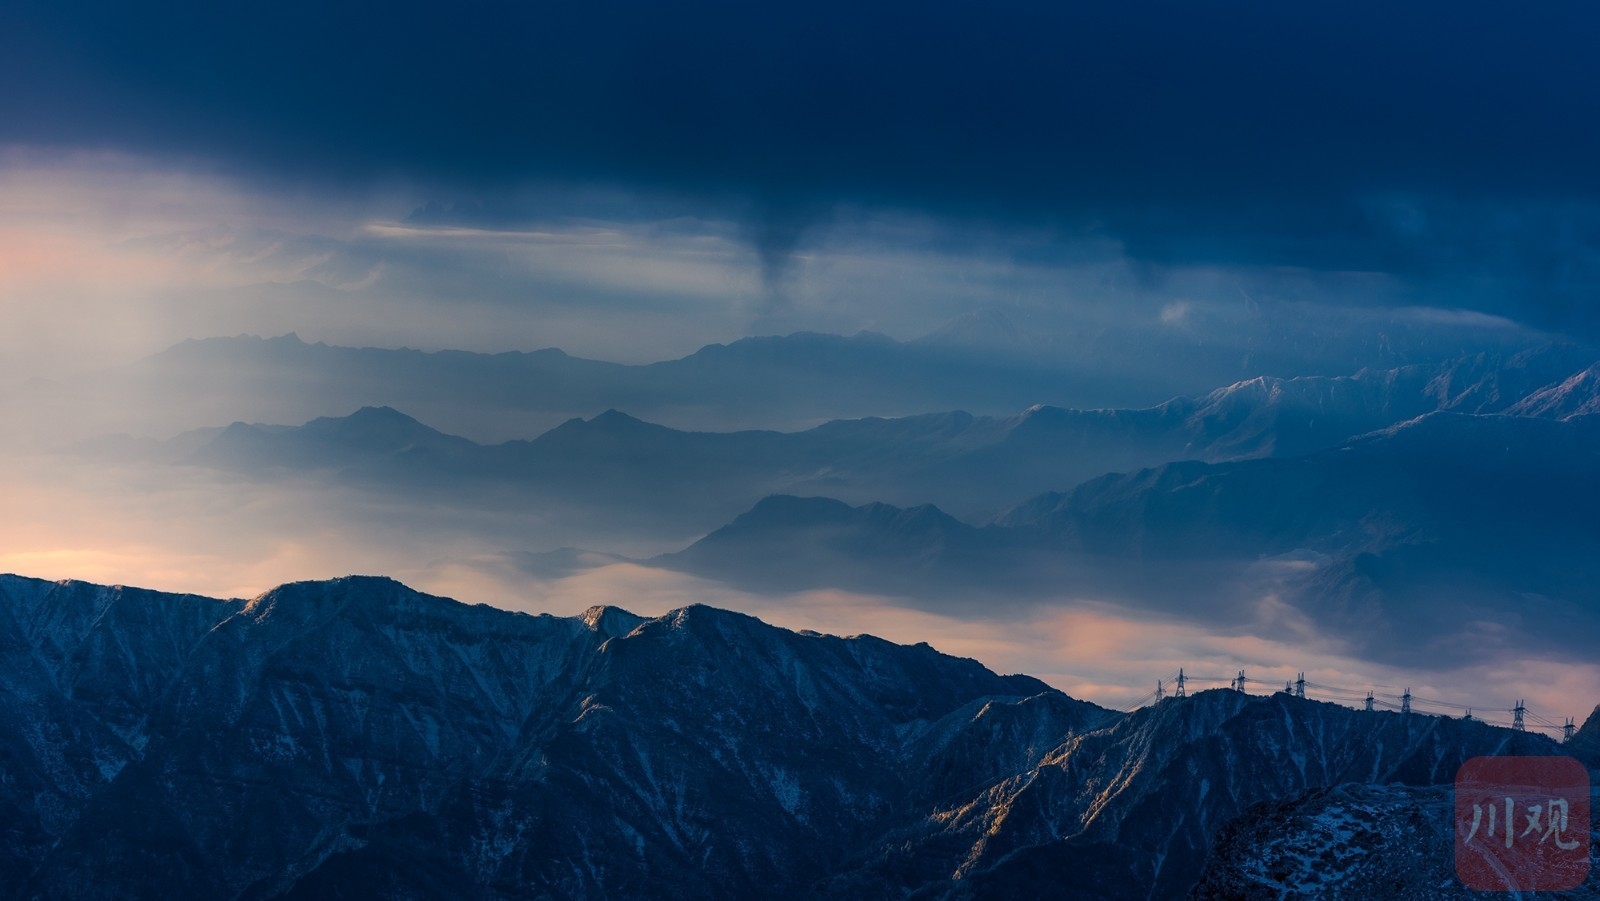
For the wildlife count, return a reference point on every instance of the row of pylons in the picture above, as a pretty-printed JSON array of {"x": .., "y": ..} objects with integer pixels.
[{"x": 1298, "y": 689}]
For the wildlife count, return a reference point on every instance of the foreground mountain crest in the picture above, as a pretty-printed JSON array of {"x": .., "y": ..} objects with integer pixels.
[{"x": 354, "y": 738}]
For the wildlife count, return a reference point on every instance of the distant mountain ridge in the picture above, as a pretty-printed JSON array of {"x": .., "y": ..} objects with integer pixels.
[
  {"x": 356, "y": 738},
  {"x": 1395, "y": 508},
  {"x": 773, "y": 381},
  {"x": 1402, "y": 537},
  {"x": 782, "y": 382},
  {"x": 972, "y": 466}
]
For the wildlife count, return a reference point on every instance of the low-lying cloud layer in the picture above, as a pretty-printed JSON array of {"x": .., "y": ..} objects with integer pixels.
[{"x": 224, "y": 539}]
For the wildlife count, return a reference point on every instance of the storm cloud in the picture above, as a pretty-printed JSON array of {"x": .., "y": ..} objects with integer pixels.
[{"x": 1410, "y": 140}]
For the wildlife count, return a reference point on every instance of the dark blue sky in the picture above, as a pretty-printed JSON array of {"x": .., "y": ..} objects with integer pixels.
[{"x": 1452, "y": 143}]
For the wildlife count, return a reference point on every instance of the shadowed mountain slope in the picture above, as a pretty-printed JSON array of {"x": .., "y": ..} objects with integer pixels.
[{"x": 356, "y": 738}]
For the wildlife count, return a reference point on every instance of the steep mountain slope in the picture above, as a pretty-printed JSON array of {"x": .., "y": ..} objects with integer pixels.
[
  {"x": 298, "y": 742},
  {"x": 1130, "y": 810},
  {"x": 1578, "y": 395},
  {"x": 354, "y": 738},
  {"x": 1329, "y": 843},
  {"x": 1352, "y": 841},
  {"x": 1493, "y": 383},
  {"x": 85, "y": 670}
]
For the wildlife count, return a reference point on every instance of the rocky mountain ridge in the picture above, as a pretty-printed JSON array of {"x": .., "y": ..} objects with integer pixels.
[{"x": 353, "y": 737}]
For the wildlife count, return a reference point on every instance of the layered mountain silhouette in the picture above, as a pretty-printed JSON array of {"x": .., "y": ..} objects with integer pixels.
[
  {"x": 774, "y": 382},
  {"x": 781, "y": 382},
  {"x": 1425, "y": 512},
  {"x": 354, "y": 738},
  {"x": 1403, "y": 540},
  {"x": 971, "y": 466}
]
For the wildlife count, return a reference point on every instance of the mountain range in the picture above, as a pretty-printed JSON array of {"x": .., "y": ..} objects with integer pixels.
[
  {"x": 790, "y": 381},
  {"x": 783, "y": 382},
  {"x": 1403, "y": 541},
  {"x": 972, "y": 466},
  {"x": 1424, "y": 513},
  {"x": 354, "y": 738}
]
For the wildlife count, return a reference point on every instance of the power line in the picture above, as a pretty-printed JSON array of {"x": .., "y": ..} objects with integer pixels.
[{"x": 1522, "y": 719}]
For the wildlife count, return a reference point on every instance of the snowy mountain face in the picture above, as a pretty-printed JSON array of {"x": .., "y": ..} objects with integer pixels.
[
  {"x": 312, "y": 739},
  {"x": 1130, "y": 810},
  {"x": 1350, "y": 841},
  {"x": 1578, "y": 395},
  {"x": 1490, "y": 383},
  {"x": 354, "y": 738}
]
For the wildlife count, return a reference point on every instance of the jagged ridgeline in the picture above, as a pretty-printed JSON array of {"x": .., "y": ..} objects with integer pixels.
[{"x": 357, "y": 739}]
